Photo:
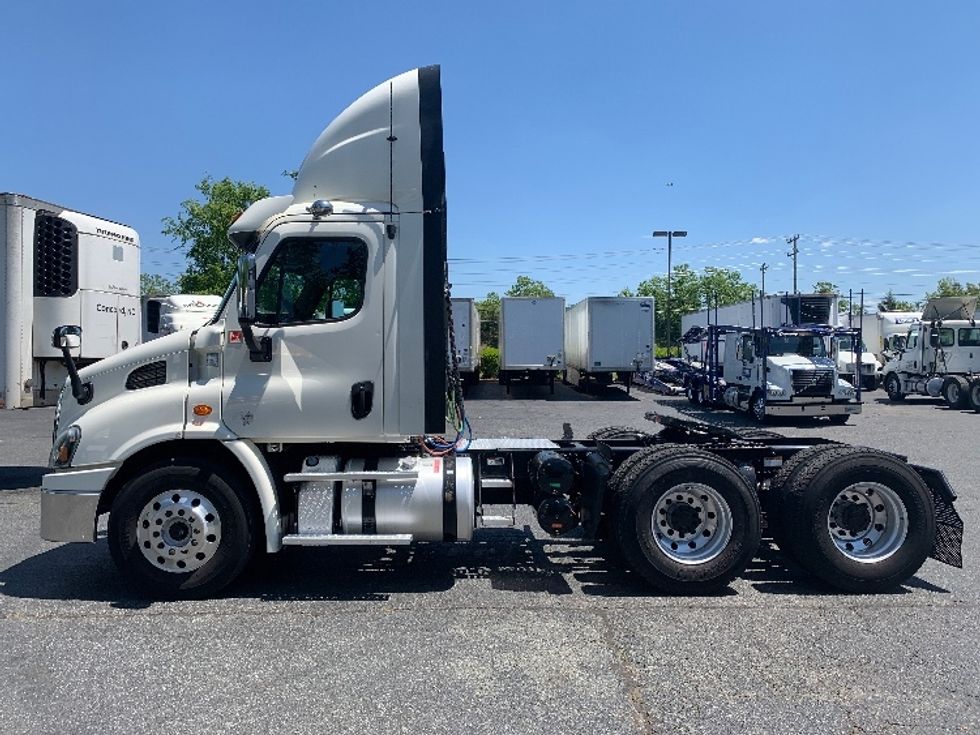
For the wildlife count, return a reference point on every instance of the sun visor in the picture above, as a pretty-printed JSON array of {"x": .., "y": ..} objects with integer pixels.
[
  {"x": 376, "y": 149},
  {"x": 243, "y": 232},
  {"x": 950, "y": 307}
]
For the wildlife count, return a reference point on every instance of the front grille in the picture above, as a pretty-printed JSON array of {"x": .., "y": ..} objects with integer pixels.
[
  {"x": 145, "y": 376},
  {"x": 55, "y": 256},
  {"x": 819, "y": 382}
]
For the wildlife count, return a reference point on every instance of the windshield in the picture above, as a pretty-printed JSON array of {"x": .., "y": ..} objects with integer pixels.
[
  {"x": 796, "y": 344},
  {"x": 846, "y": 344}
]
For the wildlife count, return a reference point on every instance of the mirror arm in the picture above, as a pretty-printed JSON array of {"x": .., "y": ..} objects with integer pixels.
[
  {"x": 81, "y": 391},
  {"x": 260, "y": 350}
]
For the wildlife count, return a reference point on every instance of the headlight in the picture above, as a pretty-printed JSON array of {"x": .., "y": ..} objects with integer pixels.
[
  {"x": 774, "y": 390},
  {"x": 64, "y": 447}
]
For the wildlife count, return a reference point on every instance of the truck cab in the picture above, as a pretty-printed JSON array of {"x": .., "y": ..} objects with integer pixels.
[{"x": 850, "y": 360}]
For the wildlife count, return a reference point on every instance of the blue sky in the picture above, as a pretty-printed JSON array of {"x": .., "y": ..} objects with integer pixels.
[{"x": 853, "y": 124}]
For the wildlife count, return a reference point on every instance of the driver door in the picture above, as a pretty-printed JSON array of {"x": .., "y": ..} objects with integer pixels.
[{"x": 319, "y": 302}]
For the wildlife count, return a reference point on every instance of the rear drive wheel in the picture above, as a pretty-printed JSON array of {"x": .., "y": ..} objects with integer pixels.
[
  {"x": 180, "y": 529},
  {"x": 956, "y": 392},
  {"x": 776, "y": 511},
  {"x": 861, "y": 520},
  {"x": 893, "y": 387},
  {"x": 975, "y": 395},
  {"x": 685, "y": 520}
]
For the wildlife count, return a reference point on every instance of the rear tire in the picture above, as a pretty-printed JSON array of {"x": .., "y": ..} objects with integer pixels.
[
  {"x": 956, "y": 392},
  {"x": 975, "y": 395},
  {"x": 619, "y": 432},
  {"x": 686, "y": 520},
  {"x": 861, "y": 520},
  {"x": 777, "y": 513},
  {"x": 181, "y": 530}
]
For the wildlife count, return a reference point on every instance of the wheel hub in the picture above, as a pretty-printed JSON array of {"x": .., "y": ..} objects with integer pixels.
[
  {"x": 867, "y": 522},
  {"x": 178, "y": 531},
  {"x": 691, "y": 523}
]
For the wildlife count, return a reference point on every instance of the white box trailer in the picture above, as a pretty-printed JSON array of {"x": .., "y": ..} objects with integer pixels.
[
  {"x": 607, "y": 337},
  {"x": 61, "y": 267},
  {"x": 466, "y": 330},
  {"x": 532, "y": 340},
  {"x": 168, "y": 314}
]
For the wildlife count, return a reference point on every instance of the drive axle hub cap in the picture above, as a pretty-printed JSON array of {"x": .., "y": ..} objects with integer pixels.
[
  {"x": 868, "y": 522},
  {"x": 178, "y": 531},
  {"x": 692, "y": 523}
]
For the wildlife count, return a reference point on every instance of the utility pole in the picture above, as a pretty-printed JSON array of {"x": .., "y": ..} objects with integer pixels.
[
  {"x": 792, "y": 254},
  {"x": 670, "y": 235},
  {"x": 764, "y": 267}
]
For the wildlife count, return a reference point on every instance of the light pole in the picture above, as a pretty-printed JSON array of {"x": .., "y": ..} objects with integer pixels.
[{"x": 670, "y": 235}]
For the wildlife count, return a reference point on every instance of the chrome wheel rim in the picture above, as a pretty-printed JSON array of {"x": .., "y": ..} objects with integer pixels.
[
  {"x": 178, "y": 531},
  {"x": 868, "y": 522},
  {"x": 691, "y": 523}
]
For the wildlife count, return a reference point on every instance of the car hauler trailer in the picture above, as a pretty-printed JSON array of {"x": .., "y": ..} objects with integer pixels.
[
  {"x": 532, "y": 340},
  {"x": 466, "y": 332},
  {"x": 284, "y": 421},
  {"x": 58, "y": 266},
  {"x": 607, "y": 338}
]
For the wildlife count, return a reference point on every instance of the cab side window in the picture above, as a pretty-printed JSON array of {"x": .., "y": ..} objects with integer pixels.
[
  {"x": 312, "y": 280},
  {"x": 970, "y": 337}
]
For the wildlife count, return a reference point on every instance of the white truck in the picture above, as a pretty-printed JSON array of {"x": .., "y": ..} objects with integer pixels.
[
  {"x": 608, "y": 338},
  {"x": 168, "y": 314},
  {"x": 532, "y": 340},
  {"x": 767, "y": 371},
  {"x": 287, "y": 421},
  {"x": 466, "y": 330},
  {"x": 798, "y": 310},
  {"x": 60, "y": 266},
  {"x": 940, "y": 356}
]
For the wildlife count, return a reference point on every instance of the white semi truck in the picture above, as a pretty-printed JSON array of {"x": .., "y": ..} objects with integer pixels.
[
  {"x": 532, "y": 340},
  {"x": 608, "y": 338},
  {"x": 798, "y": 310},
  {"x": 170, "y": 313},
  {"x": 466, "y": 331},
  {"x": 940, "y": 355},
  {"x": 288, "y": 421},
  {"x": 59, "y": 266},
  {"x": 883, "y": 332}
]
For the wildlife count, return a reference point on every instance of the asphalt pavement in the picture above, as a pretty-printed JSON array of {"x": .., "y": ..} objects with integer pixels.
[{"x": 514, "y": 633}]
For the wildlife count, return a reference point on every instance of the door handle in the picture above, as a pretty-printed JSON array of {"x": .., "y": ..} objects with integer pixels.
[{"x": 361, "y": 399}]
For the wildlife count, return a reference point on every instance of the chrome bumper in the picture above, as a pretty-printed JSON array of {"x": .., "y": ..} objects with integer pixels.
[
  {"x": 70, "y": 501},
  {"x": 812, "y": 409}
]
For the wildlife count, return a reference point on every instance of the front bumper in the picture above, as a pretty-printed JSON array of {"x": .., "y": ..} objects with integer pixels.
[
  {"x": 811, "y": 409},
  {"x": 70, "y": 501}
]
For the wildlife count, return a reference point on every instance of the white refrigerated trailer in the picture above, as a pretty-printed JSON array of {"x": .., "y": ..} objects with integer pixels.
[
  {"x": 532, "y": 340},
  {"x": 608, "y": 338},
  {"x": 466, "y": 330},
  {"x": 58, "y": 266}
]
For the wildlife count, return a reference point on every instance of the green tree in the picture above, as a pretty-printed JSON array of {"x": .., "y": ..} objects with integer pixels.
[
  {"x": 892, "y": 303},
  {"x": 201, "y": 228},
  {"x": 949, "y": 286},
  {"x": 528, "y": 287},
  {"x": 691, "y": 291},
  {"x": 153, "y": 284},
  {"x": 489, "y": 309}
]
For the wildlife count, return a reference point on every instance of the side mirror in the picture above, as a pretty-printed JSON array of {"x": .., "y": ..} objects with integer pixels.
[
  {"x": 246, "y": 288},
  {"x": 68, "y": 336},
  {"x": 934, "y": 338}
]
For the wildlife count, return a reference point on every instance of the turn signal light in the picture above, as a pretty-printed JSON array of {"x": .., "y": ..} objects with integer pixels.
[{"x": 202, "y": 409}]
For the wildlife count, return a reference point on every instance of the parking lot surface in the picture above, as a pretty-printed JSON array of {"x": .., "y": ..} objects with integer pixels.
[{"x": 514, "y": 633}]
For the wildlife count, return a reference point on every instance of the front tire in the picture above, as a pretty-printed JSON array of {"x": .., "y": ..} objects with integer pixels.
[
  {"x": 180, "y": 529},
  {"x": 893, "y": 387}
]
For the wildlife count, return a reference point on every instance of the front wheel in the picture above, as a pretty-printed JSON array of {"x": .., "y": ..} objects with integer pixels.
[
  {"x": 180, "y": 529},
  {"x": 893, "y": 387}
]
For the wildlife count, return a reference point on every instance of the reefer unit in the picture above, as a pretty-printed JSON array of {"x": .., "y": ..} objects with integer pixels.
[
  {"x": 466, "y": 331},
  {"x": 61, "y": 267},
  {"x": 532, "y": 339},
  {"x": 606, "y": 335}
]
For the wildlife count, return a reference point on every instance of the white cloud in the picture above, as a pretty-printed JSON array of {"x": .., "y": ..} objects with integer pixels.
[{"x": 759, "y": 240}]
